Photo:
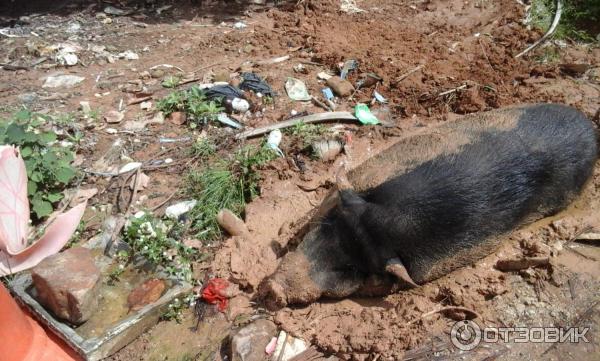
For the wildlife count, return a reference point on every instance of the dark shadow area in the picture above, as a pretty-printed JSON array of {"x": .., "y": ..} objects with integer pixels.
[{"x": 148, "y": 11}]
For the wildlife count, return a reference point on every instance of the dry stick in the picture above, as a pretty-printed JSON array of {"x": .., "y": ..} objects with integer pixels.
[
  {"x": 313, "y": 118},
  {"x": 550, "y": 31},
  {"x": 464, "y": 86},
  {"x": 408, "y": 73},
  {"x": 165, "y": 201},
  {"x": 444, "y": 309}
]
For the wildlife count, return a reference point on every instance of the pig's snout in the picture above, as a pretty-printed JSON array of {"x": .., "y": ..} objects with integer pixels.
[{"x": 291, "y": 283}]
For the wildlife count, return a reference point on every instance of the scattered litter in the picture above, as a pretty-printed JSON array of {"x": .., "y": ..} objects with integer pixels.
[
  {"x": 66, "y": 58},
  {"x": 323, "y": 75},
  {"x": 239, "y": 25},
  {"x": 114, "y": 116},
  {"x": 146, "y": 105},
  {"x": 64, "y": 80},
  {"x": 177, "y": 210},
  {"x": 215, "y": 292},
  {"x": 128, "y": 55},
  {"x": 327, "y": 93},
  {"x": 111, "y": 130},
  {"x": 279, "y": 59},
  {"x": 383, "y": 114},
  {"x": 327, "y": 149},
  {"x": 296, "y": 89},
  {"x": 300, "y": 68},
  {"x": 288, "y": 346},
  {"x": 225, "y": 119},
  {"x": 111, "y": 10},
  {"x": 274, "y": 140},
  {"x": 129, "y": 167},
  {"x": 240, "y": 105},
  {"x": 253, "y": 82},
  {"x": 348, "y": 66},
  {"x": 168, "y": 160},
  {"x": 364, "y": 115},
  {"x": 350, "y": 7},
  {"x": 174, "y": 140},
  {"x": 223, "y": 92},
  {"x": 271, "y": 346},
  {"x": 378, "y": 97}
]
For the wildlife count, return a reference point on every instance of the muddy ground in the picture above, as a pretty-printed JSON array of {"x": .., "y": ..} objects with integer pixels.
[{"x": 463, "y": 53}]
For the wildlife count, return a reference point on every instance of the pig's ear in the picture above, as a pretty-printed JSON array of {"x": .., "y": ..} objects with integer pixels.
[
  {"x": 350, "y": 199},
  {"x": 395, "y": 267}
]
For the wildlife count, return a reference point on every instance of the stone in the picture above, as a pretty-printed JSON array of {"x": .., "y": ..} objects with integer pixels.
[
  {"x": 60, "y": 81},
  {"x": 249, "y": 343},
  {"x": 113, "y": 117},
  {"x": 67, "y": 284},
  {"x": 341, "y": 87},
  {"x": 177, "y": 118},
  {"x": 146, "y": 293}
]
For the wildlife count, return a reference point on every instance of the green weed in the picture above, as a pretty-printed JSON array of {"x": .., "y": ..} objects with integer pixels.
[
  {"x": 193, "y": 102},
  {"x": 577, "y": 20},
  {"x": 306, "y": 133},
  {"x": 225, "y": 184},
  {"x": 159, "y": 241},
  {"x": 48, "y": 163},
  {"x": 171, "y": 81}
]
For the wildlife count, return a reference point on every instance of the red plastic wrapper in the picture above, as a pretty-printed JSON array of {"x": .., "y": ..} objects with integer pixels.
[{"x": 215, "y": 293}]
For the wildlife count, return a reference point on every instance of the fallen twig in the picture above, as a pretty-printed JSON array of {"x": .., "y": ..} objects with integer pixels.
[
  {"x": 464, "y": 86},
  {"x": 408, "y": 73},
  {"x": 507, "y": 265},
  {"x": 444, "y": 309},
  {"x": 313, "y": 118},
  {"x": 274, "y": 60},
  {"x": 548, "y": 33}
]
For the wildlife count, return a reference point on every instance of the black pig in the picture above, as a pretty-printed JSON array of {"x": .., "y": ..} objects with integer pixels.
[{"x": 438, "y": 201}]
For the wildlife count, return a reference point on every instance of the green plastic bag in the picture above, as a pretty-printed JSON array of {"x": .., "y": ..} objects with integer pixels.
[{"x": 364, "y": 115}]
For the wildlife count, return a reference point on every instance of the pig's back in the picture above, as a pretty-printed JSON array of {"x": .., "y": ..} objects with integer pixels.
[{"x": 463, "y": 200}]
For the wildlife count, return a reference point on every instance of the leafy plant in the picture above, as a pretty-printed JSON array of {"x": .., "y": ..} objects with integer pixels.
[
  {"x": 307, "y": 133},
  {"x": 176, "y": 307},
  {"x": 579, "y": 20},
  {"x": 171, "y": 81},
  {"x": 203, "y": 148},
  {"x": 225, "y": 184},
  {"x": 158, "y": 241},
  {"x": 48, "y": 164},
  {"x": 193, "y": 102}
]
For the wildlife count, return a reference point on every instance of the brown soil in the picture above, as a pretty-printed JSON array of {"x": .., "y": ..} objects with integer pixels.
[{"x": 465, "y": 51}]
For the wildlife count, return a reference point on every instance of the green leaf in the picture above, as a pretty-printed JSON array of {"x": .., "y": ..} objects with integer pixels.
[
  {"x": 41, "y": 208},
  {"x": 36, "y": 176},
  {"x": 54, "y": 197},
  {"x": 23, "y": 115},
  {"x": 65, "y": 174},
  {"x": 26, "y": 152},
  {"x": 31, "y": 187},
  {"x": 47, "y": 137}
]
